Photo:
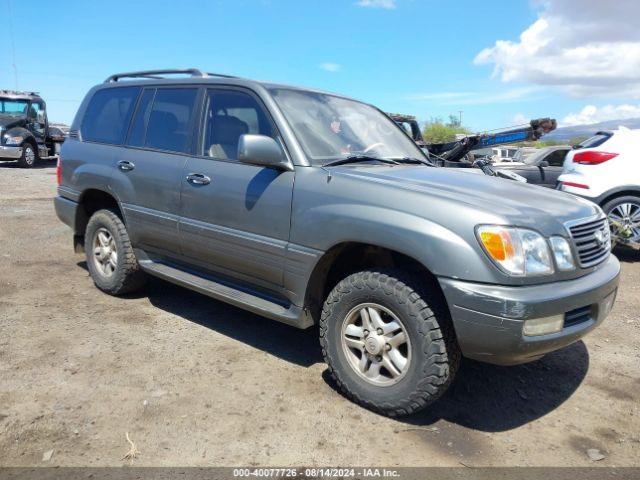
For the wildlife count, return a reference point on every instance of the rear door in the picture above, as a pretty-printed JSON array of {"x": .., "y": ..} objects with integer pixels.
[
  {"x": 148, "y": 171},
  {"x": 235, "y": 217}
]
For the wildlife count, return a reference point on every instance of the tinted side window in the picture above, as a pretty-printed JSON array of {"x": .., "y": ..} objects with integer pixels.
[
  {"x": 556, "y": 159},
  {"x": 595, "y": 141},
  {"x": 170, "y": 120},
  {"x": 141, "y": 118},
  {"x": 107, "y": 116},
  {"x": 228, "y": 115}
]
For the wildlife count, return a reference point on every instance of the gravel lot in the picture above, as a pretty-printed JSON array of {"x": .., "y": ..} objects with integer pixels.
[{"x": 196, "y": 382}]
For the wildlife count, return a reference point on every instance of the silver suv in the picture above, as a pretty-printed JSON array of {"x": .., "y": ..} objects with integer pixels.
[{"x": 312, "y": 208}]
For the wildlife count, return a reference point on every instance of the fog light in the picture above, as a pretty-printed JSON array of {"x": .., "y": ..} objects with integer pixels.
[{"x": 543, "y": 326}]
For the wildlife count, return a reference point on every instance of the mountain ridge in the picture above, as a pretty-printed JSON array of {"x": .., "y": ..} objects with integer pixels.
[{"x": 567, "y": 133}]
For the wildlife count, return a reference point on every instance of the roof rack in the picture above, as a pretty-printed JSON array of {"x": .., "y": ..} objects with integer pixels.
[{"x": 158, "y": 74}]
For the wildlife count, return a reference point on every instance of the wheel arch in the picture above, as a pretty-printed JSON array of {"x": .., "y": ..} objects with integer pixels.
[
  {"x": 623, "y": 191},
  {"x": 89, "y": 202},
  {"x": 345, "y": 258}
]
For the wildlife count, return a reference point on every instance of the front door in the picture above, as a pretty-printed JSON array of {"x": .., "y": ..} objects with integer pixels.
[
  {"x": 554, "y": 170},
  {"x": 234, "y": 216},
  {"x": 37, "y": 124}
]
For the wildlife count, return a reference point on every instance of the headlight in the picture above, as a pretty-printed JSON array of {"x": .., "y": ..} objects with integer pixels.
[
  {"x": 562, "y": 253},
  {"x": 517, "y": 251},
  {"x": 17, "y": 140}
]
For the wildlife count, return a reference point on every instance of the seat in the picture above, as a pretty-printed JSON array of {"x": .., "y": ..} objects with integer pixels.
[
  {"x": 224, "y": 135},
  {"x": 163, "y": 132}
]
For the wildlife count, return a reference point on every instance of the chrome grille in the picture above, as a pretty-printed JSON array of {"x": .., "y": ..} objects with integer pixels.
[{"x": 592, "y": 241}]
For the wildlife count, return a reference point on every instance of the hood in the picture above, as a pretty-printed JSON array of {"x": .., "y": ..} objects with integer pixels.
[
  {"x": 517, "y": 203},
  {"x": 8, "y": 121}
]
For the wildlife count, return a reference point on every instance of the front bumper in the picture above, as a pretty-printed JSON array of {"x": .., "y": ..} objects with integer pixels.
[
  {"x": 488, "y": 319},
  {"x": 10, "y": 153}
]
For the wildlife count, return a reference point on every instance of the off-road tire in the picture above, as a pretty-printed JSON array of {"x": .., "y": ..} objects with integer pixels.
[
  {"x": 435, "y": 353},
  {"x": 128, "y": 276},
  {"x": 24, "y": 160}
]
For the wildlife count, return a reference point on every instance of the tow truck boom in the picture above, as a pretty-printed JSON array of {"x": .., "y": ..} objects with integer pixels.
[{"x": 452, "y": 152}]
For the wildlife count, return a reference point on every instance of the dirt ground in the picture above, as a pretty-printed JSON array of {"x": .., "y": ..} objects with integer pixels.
[{"x": 197, "y": 382}]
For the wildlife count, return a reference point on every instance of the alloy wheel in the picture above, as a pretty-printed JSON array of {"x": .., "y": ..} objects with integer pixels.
[
  {"x": 376, "y": 344},
  {"x": 29, "y": 155},
  {"x": 105, "y": 252},
  {"x": 624, "y": 220}
]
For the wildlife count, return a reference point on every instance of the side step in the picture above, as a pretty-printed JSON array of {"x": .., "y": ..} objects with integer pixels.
[{"x": 291, "y": 314}]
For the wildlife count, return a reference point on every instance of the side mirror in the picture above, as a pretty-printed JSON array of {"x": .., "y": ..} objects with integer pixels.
[
  {"x": 262, "y": 150},
  {"x": 40, "y": 117},
  {"x": 544, "y": 163}
]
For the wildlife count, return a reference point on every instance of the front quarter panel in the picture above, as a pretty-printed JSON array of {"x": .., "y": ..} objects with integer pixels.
[{"x": 333, "y": 209}]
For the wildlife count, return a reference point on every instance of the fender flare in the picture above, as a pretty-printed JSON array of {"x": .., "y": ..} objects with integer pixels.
[{"x": 26, "y": 134}]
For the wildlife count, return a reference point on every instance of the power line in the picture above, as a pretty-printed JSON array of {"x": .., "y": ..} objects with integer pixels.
[{"x": 13, "y": 45}]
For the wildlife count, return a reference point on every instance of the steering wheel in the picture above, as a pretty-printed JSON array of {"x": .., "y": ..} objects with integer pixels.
[{"x": 372, "y": 146}]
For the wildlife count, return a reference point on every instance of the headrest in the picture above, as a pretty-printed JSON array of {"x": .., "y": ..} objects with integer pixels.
[{"x": 227, "y": 129}]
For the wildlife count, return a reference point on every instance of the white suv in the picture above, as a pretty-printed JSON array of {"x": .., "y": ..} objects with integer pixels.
[{"x": 606, "y": 170}]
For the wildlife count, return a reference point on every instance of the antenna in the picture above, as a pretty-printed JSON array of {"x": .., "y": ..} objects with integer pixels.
[{"x": 13, "y": 45}]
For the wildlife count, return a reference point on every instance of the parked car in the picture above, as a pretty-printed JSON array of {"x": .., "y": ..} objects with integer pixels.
[
  {"x": 542, "y": 167},
  {"x": 503, "y": 154},
  {"x": 313, "y": 208},
  {"x": 24, "y": 129},
  {"x": 605, "y": 170}
]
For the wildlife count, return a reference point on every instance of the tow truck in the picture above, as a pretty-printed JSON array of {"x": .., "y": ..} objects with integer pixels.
[
  {"x": 25, "y": 134},
  {"x": 452, "y": 154}
]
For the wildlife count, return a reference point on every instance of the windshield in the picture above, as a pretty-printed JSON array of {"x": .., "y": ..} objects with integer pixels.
[
  {"x": 533, "y": 157},
  {"x": 13, "y": 107},
  {"x": 330, "y": 128}
]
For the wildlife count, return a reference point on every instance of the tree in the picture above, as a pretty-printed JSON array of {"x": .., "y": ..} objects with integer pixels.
[{"x": 436, "y": 131}]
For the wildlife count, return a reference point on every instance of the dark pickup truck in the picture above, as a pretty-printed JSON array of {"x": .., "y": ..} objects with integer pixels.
[{"x": 25, "y": 134}]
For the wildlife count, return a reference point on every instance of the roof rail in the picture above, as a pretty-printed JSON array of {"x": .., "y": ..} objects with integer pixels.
[{"x": 157, "y": 74}]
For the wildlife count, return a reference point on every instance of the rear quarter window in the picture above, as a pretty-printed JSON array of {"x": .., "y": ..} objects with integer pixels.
[
  {"x": 107, "y": 117},
  {"x": 594, "y": 141}
]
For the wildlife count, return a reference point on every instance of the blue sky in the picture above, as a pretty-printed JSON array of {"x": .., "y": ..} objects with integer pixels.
[{"x": 410, "y": 56}]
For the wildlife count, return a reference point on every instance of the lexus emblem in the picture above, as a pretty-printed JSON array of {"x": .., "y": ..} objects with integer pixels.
[{"x": 599, "y": 236}]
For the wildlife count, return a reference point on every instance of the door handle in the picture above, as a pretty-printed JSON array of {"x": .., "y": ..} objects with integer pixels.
[
  {"x": 198, "y": 179},
  {"x": 125, "y": 165}
]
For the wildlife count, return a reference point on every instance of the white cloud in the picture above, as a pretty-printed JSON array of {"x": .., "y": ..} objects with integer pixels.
[
  {"x": 480, "y": 98},
  {"x": 519, "y": 119},
  {"x": 386, "y": 4},
  {"x": 330, "y": 67},
  {"x": 586, "y": 47},
  {"x": 592, "y": 114}
]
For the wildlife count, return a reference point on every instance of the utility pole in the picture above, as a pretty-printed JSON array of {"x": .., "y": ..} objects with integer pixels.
[
  {"x": 13, "y": 45},
  {"x": 460, "y": 112}
]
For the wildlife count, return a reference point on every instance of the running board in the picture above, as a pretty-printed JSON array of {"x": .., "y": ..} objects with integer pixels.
[{"x": 291, "y": 314}]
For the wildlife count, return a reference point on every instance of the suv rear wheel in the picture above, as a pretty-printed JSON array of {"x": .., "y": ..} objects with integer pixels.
[
  {"x": 110, "y": 258},
  {"x": 388, "y": 342},
  {"x": 624, "y": 219},
  {"x": 29, "y": 156}
]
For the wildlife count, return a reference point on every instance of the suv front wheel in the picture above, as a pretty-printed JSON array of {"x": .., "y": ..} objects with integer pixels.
[
  {"x": 110, "y": 258},
  {"x": 388, "y": 341}
]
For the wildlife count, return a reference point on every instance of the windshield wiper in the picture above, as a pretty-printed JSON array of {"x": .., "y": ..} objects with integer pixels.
[
  {"x": 413, "y": 160},
  {"x": 359, "y": 159}
]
